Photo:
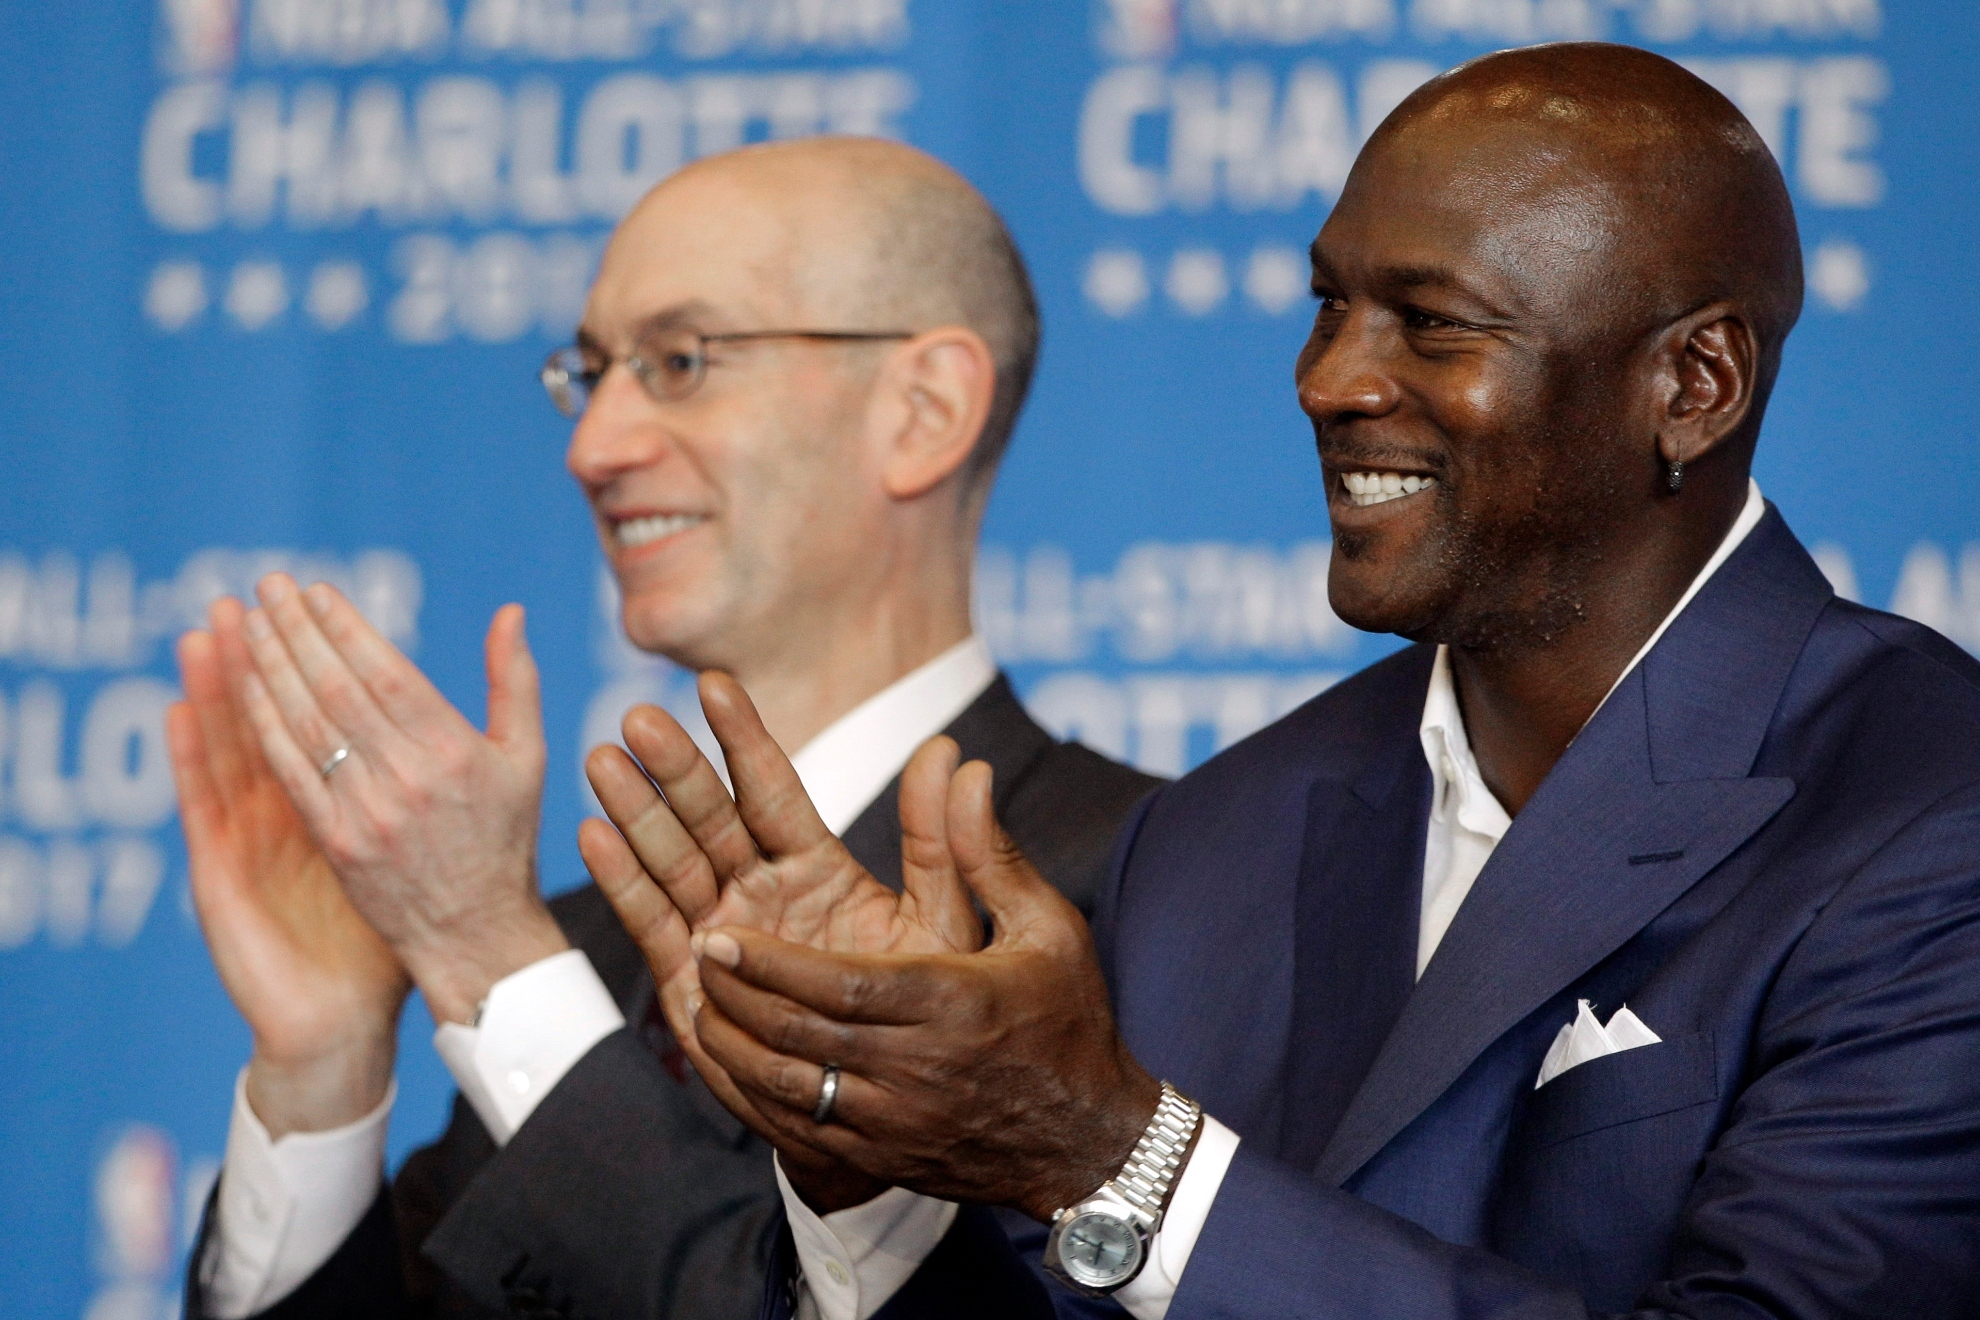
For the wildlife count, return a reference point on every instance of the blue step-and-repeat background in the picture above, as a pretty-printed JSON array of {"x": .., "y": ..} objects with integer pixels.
[{"x": 275, "y": 276}]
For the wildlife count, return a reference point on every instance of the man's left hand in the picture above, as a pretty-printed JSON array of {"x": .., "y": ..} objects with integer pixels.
[{"x": 430, "y": 824}]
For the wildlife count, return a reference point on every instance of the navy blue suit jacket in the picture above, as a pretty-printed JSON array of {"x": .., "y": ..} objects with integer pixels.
[{"x": 1766, "y": 843}]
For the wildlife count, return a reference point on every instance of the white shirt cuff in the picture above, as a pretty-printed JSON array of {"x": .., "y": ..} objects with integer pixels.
[
  {"x": 1149, "y": 1295},
  {"x": 286, "y": 1206},
  {"x": 535, "y": 1025},
  {"x": 854, "y": 1260}
]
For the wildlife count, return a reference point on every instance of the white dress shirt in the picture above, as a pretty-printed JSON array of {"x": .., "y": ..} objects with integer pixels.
[
  {"x": 1466, "y": 824},
  {"x": 285, "y": 1206}
]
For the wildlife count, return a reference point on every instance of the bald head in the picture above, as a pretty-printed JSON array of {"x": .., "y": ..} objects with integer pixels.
[
  {"x": 1685, "y": 204},
  {"x": 866, "y": 233},
  {"x": 1554, "y": 292}
]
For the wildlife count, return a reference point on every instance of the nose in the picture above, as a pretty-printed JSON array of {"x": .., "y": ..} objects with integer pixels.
[
  {"x": 619, "y": 430},
  {"x": 1342, "y": 372}
]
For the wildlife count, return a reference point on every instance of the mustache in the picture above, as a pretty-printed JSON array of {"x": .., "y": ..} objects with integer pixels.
[{"x": 1340, "y": 451}]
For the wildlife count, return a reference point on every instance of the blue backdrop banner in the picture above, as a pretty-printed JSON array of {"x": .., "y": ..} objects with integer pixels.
[{"x": 275, "y": 276}]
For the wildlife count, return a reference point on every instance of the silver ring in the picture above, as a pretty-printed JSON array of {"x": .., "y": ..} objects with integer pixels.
[
  {"x": 828, "y": 1095},
  {"x": 337, "y": 758}
]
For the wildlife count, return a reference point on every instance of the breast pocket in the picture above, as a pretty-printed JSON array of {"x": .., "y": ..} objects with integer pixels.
[{"x": 1623, "y": 1088}]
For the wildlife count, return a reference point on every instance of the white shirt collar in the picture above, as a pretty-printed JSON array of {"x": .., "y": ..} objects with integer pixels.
[
  {"x": 856, "y": 756},
  {"x": 1454, "y": 777},
  {"x": 1458, "y": 793},
  {"x": 1749, "y": 518}
]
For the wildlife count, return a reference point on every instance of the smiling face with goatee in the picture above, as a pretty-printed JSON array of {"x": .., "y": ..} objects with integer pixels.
[{"x": 1504, "y": 347}]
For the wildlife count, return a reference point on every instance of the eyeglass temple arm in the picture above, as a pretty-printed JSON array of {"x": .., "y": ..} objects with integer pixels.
[{"x": 735, "y": 336}]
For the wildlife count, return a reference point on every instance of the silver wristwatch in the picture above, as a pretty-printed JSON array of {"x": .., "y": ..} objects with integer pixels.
[{"x": 1099, "y": 1245}]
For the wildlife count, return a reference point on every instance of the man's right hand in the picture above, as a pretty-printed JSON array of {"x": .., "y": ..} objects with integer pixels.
[
  {"x": 319, "y": 989},
  {"x": 689, "y": 857}
]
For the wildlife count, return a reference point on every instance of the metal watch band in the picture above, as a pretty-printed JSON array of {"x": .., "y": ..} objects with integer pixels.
[{"x": 1149, "y": 1175}]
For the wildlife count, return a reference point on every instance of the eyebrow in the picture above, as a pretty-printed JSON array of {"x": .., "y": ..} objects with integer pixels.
[
  {"x": 1418, "y": 277},
  {"x": 694, "y": 309},
  {"x": 1406, "y": 277}
]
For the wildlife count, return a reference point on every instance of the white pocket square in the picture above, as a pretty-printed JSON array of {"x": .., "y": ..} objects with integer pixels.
[{"x": 1586, "y": 1038}]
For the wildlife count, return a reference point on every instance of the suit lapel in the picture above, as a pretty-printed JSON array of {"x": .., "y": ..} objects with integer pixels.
[
  {"x": 1608, "y": 842},
  {"x": 993, "y": 728},
  {"x": 1354, "y": 960}
]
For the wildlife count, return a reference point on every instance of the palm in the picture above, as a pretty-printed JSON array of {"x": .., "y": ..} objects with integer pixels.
[
  {"x": 297, "y": 949},
  {"x": 823, "y": 898}
]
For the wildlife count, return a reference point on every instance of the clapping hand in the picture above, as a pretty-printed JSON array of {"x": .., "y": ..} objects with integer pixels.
[
  {"x": 990, "y": 1074},
  {"x": 429, "y": 823},
  {"x": 319, "y": 989},
  {"x": 694, "y": 859}
]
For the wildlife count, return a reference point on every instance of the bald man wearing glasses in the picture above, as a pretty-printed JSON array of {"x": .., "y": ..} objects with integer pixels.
[{"x": 797, "y": 370}]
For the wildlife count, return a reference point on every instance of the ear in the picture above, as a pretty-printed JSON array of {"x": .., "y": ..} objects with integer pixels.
[
  {"x": 939, "y": 387},
  {"x": 1708, "y": 371}
]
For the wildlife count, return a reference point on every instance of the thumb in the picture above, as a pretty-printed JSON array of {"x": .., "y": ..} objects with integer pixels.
[
  {"x": 515, "y": 696},
  {"x": 1023, "y": 908},
  {"x": 929, "y": 879}
]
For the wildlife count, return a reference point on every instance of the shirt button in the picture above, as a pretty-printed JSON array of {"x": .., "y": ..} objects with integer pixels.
[
  {"x": 519, "y": 1082},
  {"x": 837, "y": 1272}
]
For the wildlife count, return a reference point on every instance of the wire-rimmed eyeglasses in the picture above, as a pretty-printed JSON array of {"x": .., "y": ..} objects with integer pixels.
[{"x": 669, "y": 363}]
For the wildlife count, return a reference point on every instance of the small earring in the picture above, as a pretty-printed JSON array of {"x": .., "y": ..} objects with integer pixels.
[{"x": 1675, "y": 474}]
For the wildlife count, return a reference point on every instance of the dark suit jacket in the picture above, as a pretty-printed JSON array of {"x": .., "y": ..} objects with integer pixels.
[
  {"x": 631, "y": 1192},
  {"x": 1766, "y": 844}
]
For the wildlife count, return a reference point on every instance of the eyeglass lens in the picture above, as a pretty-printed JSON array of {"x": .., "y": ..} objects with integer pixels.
[{"x": 668, "y": 362}]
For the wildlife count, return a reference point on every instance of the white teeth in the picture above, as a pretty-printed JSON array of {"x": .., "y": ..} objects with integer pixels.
[
  {"x": 642, "y": 531},
  {"x": 1366, "y": 488}
]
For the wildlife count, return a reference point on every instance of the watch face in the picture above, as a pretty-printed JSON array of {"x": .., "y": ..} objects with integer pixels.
[{"x": 1099, "y": 1250}]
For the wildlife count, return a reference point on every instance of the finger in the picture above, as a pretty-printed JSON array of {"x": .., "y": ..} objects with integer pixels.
[
  {"x": 769, "y": 793},
  {"x": 784, "y": 1091},
  {"x": 786, "y": 1026},
  {"x": 330, "y": 686},
  {"x": 666, "y": 853},
  {"x": 274, "y": 690},
  {"x": 887, "y": 988},
  {"x": 695, "y": 793},
  {"x": 214, "y": 718},
  {"x": 393, "y": 686},
  {"x": 219, "y": 889},
  {"x": 1023, "y": 908},
  {"x": 298, "y": 771},
  {"x": 515, "y": 690},
  {"x": 227, "y": 618},
  {"x": 648, "y": 915},
  {"x": 199, "y": 798},
  {"x": 202, "y": 819},
  {"x": 785, "y": 1129},
  {"x": 929, "y": 877},
  {"x": 760, "y": 1071}
]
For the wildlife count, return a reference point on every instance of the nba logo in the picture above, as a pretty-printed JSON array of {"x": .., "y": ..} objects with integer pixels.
[
  {"x": 135, "y": 1184},
  {"x": 198, "y": 36},
  {"x": 1138, "y": 29},
  {"x": 135, "y": 1244}
]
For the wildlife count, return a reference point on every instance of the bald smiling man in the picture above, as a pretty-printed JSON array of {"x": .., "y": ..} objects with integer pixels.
[
  {"x": 1613, "y": 950},
  {"x": 797, "y": 370}
]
